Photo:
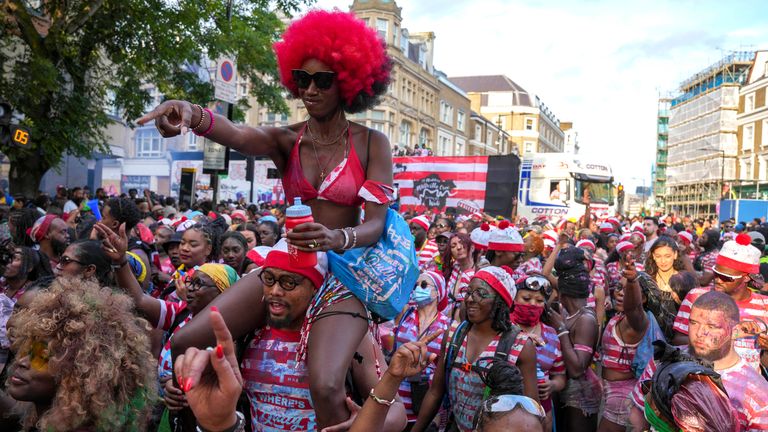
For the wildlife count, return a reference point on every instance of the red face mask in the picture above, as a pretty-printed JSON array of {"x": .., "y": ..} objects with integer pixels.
[{"x": 527, "y": 314}]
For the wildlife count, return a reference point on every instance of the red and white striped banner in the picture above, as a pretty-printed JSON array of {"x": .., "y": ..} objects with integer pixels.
[{"x": 435, "y": 183}]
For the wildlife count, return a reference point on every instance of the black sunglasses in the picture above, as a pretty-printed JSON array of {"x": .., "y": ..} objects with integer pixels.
[
  {"x": 323, "y": 80},
  {"x": 725, "y": 277},
  {"x": 64, "y": 260},
  {"x": 288, "y": 283}
]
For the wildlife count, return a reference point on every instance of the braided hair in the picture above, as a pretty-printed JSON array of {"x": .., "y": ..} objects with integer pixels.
[
  {"x": 500, "y": 321},
  {"x": 211, "y": 236}
]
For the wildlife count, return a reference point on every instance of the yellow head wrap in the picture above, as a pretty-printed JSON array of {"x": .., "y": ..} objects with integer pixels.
[{"x": 221, "y": 274}]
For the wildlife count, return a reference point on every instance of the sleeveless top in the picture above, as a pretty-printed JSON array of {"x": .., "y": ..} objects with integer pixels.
[
  {"x": 616, "y": 354},
  {"x": 465, "y": 388},
  {"x": 341, "y": 185}
]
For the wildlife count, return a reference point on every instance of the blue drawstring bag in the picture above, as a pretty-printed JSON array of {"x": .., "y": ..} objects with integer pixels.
[
  {"x": 382, "y": 275},
  {"x": 644, "y": 352}
]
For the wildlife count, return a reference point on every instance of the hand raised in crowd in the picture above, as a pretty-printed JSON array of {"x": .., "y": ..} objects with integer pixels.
[
  {"x": 630, "y": 271},
  {"x": 553, "y": 318},
  {"x": 174, "y": 398},
  {"x": 211, "y": 379},
  {"x": 412, "y": 358},
  {"x": 172, "y": 117},
  {"x": 315, "y": 237},
  {"x": 114, "y": 245}
]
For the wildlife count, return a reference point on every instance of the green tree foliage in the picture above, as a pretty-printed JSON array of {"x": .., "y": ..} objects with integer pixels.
[{"x": 64, "y": 62}]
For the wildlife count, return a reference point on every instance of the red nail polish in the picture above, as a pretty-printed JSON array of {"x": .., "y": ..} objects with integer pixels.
[
  {"x": 219, "y": 352},
  {"x": 214, "y": 309},
  {"x": 188, "y": 385}
]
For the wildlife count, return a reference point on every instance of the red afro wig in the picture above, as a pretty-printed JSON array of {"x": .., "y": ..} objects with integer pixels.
[{"x": 349, "y": 47}]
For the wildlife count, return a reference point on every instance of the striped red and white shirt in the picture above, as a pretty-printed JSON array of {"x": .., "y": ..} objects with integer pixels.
[
  {"x": 747, "y": 391},
  {"x": 458, "y": 283},
  {"x": 751, "y": 309},
  {"x": 533, "y": 265},
  {"x": 168, "y": 313},
  {"x": 409, "y": 331},
  {"x": 708, "y": 260},
  {"x": 615, "y": 354},
  {"x": 465, "y": 388},
  {"x": 426, "y": 254}
]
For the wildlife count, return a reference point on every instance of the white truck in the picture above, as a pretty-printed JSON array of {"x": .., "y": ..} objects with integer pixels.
[{"x": 553, "y": 184}]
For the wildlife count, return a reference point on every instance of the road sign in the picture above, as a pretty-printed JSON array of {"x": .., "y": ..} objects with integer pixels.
[
  {"x": 226, "y": 80},
  {"x": 215, "y": 158}
]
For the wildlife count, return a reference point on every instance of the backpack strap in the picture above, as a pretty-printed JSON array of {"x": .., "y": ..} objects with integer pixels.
[
  {"x": 454, "y": 346},
  {"x": 506, "y": 341}
]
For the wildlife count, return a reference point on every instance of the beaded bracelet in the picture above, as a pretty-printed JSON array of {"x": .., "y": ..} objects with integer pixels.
[
  {"x": 202, "y": 117},
  {"x": 354, "y": 238},
  {"x": 210, "y": 127}
]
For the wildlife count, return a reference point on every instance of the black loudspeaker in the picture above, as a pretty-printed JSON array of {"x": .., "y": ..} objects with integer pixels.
[
  {"x": 273, "y": 173},
  {"x": 501, "y": 184},
  {"x": 249, "y": 168}
]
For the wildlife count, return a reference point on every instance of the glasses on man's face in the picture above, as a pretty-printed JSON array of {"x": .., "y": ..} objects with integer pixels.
[
  {"x": 288, "y": 283},
  {"x": 197, "y": 285},
  {"x": 65, "y": 260},
  {"x": 725, "y": 277},
  {"x": 323, "y": 80},
  {"x": 479, "y": 294}
]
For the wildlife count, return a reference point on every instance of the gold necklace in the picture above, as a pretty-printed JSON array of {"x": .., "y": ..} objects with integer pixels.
[
  {"x": 318, "y": 142},
  {"x": 324, "y": 167}
]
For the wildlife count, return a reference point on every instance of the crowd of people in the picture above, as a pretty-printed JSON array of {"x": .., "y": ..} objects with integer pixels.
[{"x": 137, "y": 313}]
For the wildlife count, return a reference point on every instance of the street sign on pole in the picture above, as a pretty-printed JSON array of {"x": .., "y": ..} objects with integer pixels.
[
  {"x": 215, "y": 158},
  {"x": 225, "y": 84}
]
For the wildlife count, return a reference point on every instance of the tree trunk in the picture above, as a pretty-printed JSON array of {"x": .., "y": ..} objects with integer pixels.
[{"x": 25, "y": 175}]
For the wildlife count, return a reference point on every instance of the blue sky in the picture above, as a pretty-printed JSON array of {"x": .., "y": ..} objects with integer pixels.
[{"x": 600, "y": 64}]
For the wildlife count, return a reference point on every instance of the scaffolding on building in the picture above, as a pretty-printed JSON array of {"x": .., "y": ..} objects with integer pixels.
[{"x": 702, "y": 142}]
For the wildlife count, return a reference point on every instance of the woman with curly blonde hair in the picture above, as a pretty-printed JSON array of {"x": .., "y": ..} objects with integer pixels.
[{"x": 82, "y": 360}]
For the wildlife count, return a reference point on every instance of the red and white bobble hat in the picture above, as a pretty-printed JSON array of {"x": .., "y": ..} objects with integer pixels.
[
  {"x": 624, "y": 246},
  {"x": 481, "y": 235},
  {"x": 258, "y": 255},
  {"x": 589, "y": 244},
  {"x": 740, "y": 255},
  {"x": 686, "y": 237},
  {"x": 550, "y": 235},
  {"x": 279, "y": 258},
  {"x": 625, "y": 237},
  {"x": 506, "y": 238},
  {"x": 606, "y": 227},
  {"x": 639, "y": 234},
  {"x": 239, "y": 216},
  {"x": 501, "y": 280},
  {"x": 614, "y": 221},
  {"x": 421, "y": 221},
  {"x": 636, "y": 227},
  {"x": 549, "y": 244},
  {"x": 442, "y": 291}
]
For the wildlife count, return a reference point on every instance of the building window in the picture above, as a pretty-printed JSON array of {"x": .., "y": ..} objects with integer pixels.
[
  {"x": 749, "y": 103},
  {"x": 191, "y": 142},
  {"x": 489, "y": 137},
  {"x": 405, "y": 134},
  {"x": 149, "y": 143},
  {"x": 460, "y": 120},
  {"x": 529, "y": 124},
  {"x": 762, "y": 169},
  {"x": 748, "y": 141},
  {"x": 478, "y": 132},
  {"x": 382, "y": 26},
  {"x": 764, "y": 137},
  {"x": 423, "y": 137},
  {"x": 443, "y": 145},
  {"x": 529, "y": 147},
  {"x": 460, "y": 150},
  {"x": 446, "y": 113},
  {"x": 381, "y": 127}
]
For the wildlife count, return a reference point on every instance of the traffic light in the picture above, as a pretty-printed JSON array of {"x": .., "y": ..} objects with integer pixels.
[{"x": 11, "y": 135}]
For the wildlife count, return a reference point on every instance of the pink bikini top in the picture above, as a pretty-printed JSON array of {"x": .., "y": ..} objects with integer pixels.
[{"x": 345, "y": 185}]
